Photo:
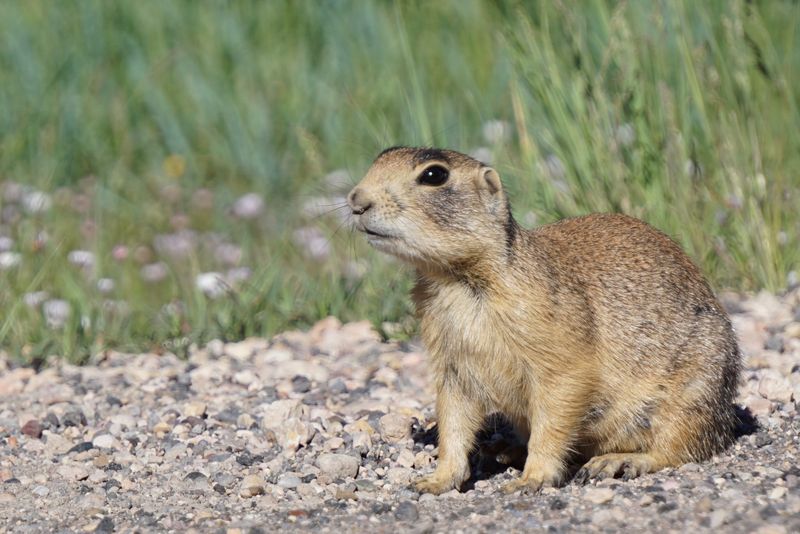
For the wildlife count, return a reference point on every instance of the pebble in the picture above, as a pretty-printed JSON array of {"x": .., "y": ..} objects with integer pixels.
[
  {"x": 777, "y": 493},
  {"x": 104, "y": 441},
  {"x": 194, "y": 409},
  {"x": 70, "y": 472},
  {"x": 599, "y": 495},
  {"x": 245, "y": 421},
  {"x": 32, "y": 429},
  {"x": 405, "y": 458},
  {"x": 338, "y": 465},
  {"x": 776, "y": 389},
  {"x": 717, "y": 518},
  {"x": 41, "y": 491},
  {"x": 296, "y": 433},
  {"x": 288, "y": 481},
  {"x": 55, "y": 444},
  {"x": 251, "y": 486},
  {"x": 406, "y": 511},
  {"x": 395, "y": 427},
  {"x": 399, "y": 475}
]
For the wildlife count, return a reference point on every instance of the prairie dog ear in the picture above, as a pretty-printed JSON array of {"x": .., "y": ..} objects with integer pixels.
[{"x": 488, "y": 180}]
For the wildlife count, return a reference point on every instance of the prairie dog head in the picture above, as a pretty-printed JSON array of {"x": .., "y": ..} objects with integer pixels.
[{"x": 432, "y": 207}]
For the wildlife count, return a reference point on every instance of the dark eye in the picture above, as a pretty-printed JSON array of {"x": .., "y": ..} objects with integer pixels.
[{"x": 433, "y": 175}]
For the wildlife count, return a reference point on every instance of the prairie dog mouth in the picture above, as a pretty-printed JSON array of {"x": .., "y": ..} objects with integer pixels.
[{"x": 373, "y": 233}]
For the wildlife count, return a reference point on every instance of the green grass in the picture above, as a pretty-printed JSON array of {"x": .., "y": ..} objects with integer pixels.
[{"x": 682, "y": 113}]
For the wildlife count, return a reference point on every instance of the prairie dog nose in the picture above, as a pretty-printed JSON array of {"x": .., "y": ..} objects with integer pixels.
[{"x": 358, "y": 201}]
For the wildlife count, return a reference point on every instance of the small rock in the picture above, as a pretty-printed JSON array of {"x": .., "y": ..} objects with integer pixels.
[
  {"x": 422, "y": 459},
  {"x": 32, "y": 429},
  {"x": 295, "y": 433},
  {"x": 105, "y": 525},
  {"x": 81, "y": 447},
  {"x": 776, "y": 389},
  {"x": 245, "y": 421},
  {"x": 405, "y": 458},
  {"x": 70, "y": 472},
  {"x": 7, "y": 498},
  {"x": 792, "y": 330},
  {"x": 758, "y": 405},
  {"x": 599, "y": 495},
  {"x": 334, "y": 443},
  {"x": 365, "y": 485},
  {"x": 343, "y": 494},
  {"x": 245, "y": 378},
  {"x": 288, "y": 481},
  {"x": 41, "y": 491},
  {"x": 252, "y": 485},
  {"x": 338, "y": 465},
  {"x": 399, "y": 475},
  {"x": 55, "y": 444},
  {"x": 161, "y": 428},
  {"x": 73, "y": 417},
  {"x": 406, "y": 511},
  {"x": 194, "y": 409},
  {"x": 774, "y": 342},
  {"x": 301, "y": 384},
  {"x": 104, "y": 441},
  {"x": 717, "y": 518},
  {"x": 362, "y": 442},
  {"x": 395, "y": 427},
  {"x": 777, "y": 492}
]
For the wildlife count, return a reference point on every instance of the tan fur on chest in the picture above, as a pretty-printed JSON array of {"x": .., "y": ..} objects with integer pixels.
[{"x": 491, "y": 345}]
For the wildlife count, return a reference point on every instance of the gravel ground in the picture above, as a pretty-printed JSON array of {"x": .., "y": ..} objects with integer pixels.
[{"x": 323, "y": 430}]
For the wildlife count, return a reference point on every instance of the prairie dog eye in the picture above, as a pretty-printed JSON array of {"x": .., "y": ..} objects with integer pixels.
[{"x": 433, "y": 175}]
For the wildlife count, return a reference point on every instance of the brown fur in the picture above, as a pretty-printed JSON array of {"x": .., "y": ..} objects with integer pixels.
[{"x": 596, "y": 336}]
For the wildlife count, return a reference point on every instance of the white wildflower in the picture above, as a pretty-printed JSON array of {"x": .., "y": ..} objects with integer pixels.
[
  {"x": 81, "y": 258},
  {"x": 116, "y": 307},
  {"x": 212, "y": 284},
  {"x": 554, "y": 167},
  {"x": 6, "y": 243},
  {"x": 36, "y": 202},
  {"x": 228, "y": 253},
  {"x": 56, "y": 312},
  {"x": 249, "y": 206},
  {"x": 105, "y": 285},
  {"x": 13, "y": 191},
  {"x": 625, "y": 134},
  {"x": 238, "y": 274},
  {"x": 313, "y": 242},
  {"x": 355, "y": 270},
  {"x": 529, "y": 219},
  {"x": 9, "y": 260},
  {"x": 483, "y": 154},
  {"x": 338, "y": 181},
  {"x": 35, "y": 298},
  {"x": 177, "y": 245},
  {"x": 496, "y": 131},
  {"x": 154, "y": 272}
]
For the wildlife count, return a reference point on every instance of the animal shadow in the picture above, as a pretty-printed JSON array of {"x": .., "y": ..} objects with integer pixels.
[{"x": 499, "y": 447}]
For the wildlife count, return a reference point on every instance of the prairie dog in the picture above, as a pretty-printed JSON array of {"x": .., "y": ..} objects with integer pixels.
[{"x": 597, "y": 336}]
